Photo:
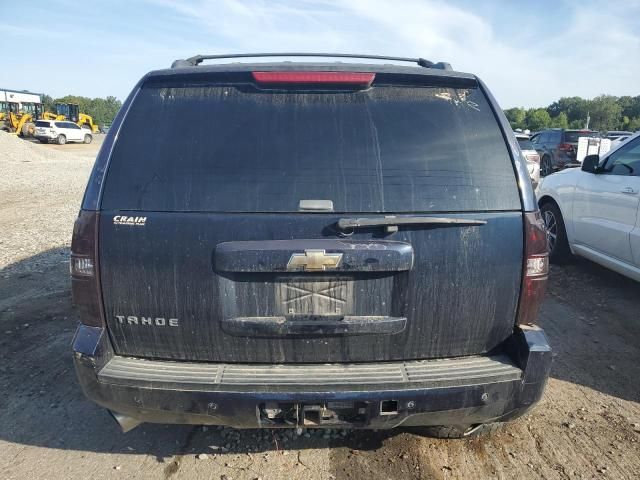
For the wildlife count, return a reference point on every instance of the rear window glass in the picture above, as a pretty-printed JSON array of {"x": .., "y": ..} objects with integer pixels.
[
  {"x": 573, "y": 137},
  {"x": 42, "y": 123},
  {"x": 525, "y": 144},
  {"x": 239, "y": 149}
]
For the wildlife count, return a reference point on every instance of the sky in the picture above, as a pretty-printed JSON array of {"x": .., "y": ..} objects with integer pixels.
[{"x": 528, "y": 53}]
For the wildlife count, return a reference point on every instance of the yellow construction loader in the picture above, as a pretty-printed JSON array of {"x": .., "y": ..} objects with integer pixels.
[
  {"x": 71, "y": 112},
  {"x": 52, "y": 116},
  {"x": 5, "y": 108},
  {"x": 22, "y": 124}
]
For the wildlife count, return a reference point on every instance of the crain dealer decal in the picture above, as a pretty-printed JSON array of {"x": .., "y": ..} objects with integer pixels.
[{"x": 125, "y": 220}]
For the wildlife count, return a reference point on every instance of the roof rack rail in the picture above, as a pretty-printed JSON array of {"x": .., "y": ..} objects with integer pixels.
[{"x": 198, "y": 59}]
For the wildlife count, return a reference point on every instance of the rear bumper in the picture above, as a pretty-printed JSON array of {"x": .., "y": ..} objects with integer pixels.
[
  {"x": 562, "y": 160},
  {"x": 463, "y": 391},
  {"x": 48, "y": 135}
]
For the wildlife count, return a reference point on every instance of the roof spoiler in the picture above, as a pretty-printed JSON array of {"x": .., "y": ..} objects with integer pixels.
[{"x": 198, "y": 59}]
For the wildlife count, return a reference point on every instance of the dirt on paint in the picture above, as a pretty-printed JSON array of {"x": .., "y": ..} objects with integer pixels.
[{"x": 586, "y": 426}]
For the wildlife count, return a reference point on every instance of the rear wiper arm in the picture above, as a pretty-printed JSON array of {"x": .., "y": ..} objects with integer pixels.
[{"x": 392, "y": 222}]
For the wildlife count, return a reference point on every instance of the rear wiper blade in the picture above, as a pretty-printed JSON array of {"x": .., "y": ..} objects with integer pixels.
[{"x": 392, "y": 222}]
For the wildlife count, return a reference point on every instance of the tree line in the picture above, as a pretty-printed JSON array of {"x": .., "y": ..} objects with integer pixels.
[
  {"x": 605, "y": 112},
  {"x": 102, "y": 110}
]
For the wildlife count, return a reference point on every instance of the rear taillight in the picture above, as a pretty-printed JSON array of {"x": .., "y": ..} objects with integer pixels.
[
  {"x": 565, "y": 147},
  {"x": 340, "y": 78},
  {"x": 533, "y": 157},
  {"x": 85, "y": 283},
  {"x": 536, "y": 269}
]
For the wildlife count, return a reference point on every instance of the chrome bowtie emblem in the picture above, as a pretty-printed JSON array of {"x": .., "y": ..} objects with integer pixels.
[{"x": 314, "y": 261}]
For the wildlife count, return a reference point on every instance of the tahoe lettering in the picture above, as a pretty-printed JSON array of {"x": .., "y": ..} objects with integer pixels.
[{"x": 147, "y": 321}]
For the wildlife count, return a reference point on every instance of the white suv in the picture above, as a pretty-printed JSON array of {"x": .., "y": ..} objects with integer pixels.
[
  {"x": 594, "y": 211},
  {"x": 532, "y": 156},
  {"x": 61, "y": 132}
]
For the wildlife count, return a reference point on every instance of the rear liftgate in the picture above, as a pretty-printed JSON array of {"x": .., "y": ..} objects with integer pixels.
[{"x": 273, "y": 276}]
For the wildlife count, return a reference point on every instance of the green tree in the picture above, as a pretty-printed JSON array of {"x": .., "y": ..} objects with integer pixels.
[
  {"x": 537, "y": 119},
  {"x": 575, "y": 108},
  {"x": 634, "y": 124},
  {"x": 630, "y": 106},
  {"x": 560, "y": 121},
  {"x": 48, "y": 103},
  {"x": 605, "y": 112},
  {"x": 624, "y": 124},
  {"x": 516, "y": 117}
]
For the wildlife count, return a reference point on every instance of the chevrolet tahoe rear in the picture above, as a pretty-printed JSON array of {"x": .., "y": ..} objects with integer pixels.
[{"x": 296, "y": 244}]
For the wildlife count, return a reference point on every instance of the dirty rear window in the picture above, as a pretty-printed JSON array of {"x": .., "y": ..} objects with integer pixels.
[{"x": 239, "y": 149}]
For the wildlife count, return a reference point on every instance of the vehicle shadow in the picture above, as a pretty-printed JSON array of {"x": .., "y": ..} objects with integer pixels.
[
  {"x": 590, "y": 316},
  {"x": 43, "y": 405}
]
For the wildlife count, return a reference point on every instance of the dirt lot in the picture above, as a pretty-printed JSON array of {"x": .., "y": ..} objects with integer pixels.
[{"x": 587, "y": 426}]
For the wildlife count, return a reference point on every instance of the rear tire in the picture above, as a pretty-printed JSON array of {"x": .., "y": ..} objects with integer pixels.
[
  {"x": 43, "y": 140},
  {"x": 546, "y": 167},
  {"x": 28, "y": 130},
  {"x": 461, "y": 431},
  {"x": 87, "y": 138},
  {"x": 61, "y": 139},
  {"x": 559, "y": 251}
]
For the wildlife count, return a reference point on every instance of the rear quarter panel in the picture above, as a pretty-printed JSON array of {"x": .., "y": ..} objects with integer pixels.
[{"x": 560, "y": 187}]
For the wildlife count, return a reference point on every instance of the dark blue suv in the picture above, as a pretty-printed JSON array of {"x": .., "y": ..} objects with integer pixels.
[
  {"x": 289, "y": 244},
  {"x": 557, "y": 148}
]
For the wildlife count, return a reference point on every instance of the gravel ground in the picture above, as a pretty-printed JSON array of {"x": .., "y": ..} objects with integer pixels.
[
  {"x": 41, "y": 187},
  {"x": 587, "y": 425}
]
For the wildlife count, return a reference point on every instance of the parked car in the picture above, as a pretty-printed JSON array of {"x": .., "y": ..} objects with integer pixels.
[
  {"x": 311, "y": 245},
  {"x": 593, "y": 212},
  {"x": 61, "y": 132},
  {"x": 531, "y": 155},
  {"x": 617, "y": 137},
  {"x": 616, "y": 142},
  {"x": 615, "y": 134},
  {"x": 557, "y": 148}
]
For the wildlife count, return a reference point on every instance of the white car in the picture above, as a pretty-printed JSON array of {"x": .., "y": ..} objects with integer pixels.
[
  {"x": 617, "y": 137},
  {"x": 61, "y": 132},
  {"x": 531, "y": 155},
  {"x": 618, "y": 140},
  {"x": 594, "y": 211}
]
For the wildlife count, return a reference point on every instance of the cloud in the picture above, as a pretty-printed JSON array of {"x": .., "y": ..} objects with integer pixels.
[
  {"x": 595, "y": 54},
  {"x": 529, "y": 54},
  {"x": 591, "y": 53}
]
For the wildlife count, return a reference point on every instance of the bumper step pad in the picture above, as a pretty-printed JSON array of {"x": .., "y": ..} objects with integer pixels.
[{"x": 450, "y": 372}]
